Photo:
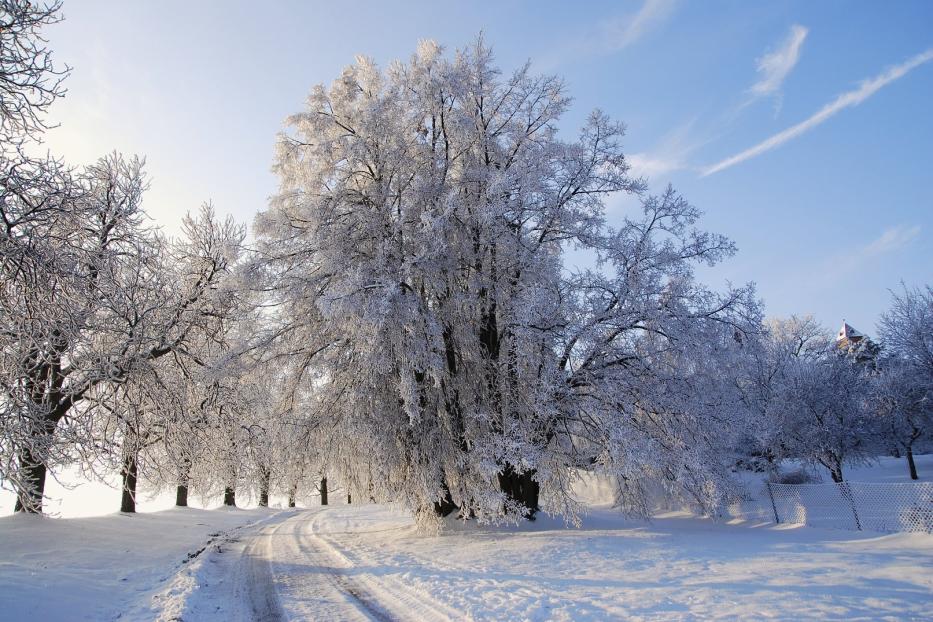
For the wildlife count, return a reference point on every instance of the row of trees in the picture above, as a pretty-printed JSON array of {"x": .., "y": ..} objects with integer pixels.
[
  {"x": 121, "y": 348},
  {"x": 407, "y": 321}
]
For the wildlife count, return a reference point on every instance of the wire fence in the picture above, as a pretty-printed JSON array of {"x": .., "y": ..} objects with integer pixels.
[{"x": 848, "y": 505}]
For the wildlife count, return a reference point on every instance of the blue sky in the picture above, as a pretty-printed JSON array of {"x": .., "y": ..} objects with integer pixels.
[{"x": 804, "y": 130}]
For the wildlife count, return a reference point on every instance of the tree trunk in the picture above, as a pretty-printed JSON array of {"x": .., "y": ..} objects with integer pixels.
[
  {"x": 292, "y": 493},
  {"x": 230, "y": 496},
  {"x": 445, "y": 506},
  {"x": 29, "y": 494},
  {"x": 264, "y": 476},
  {"x": 835, "y": 472},
  {"x": 521, "y": 488},
  {"x": 31, "y": 489},
  {"x": 910, "y": 463},
  {"x": 129, "y": 473},
  {"x": 323, "y": 491},
  {"x": 181, "y": 492},
  {"x": 349, "y": 498}
]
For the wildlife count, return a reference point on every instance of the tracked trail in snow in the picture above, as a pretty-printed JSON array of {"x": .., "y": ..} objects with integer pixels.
[
  {"x": 396, "y": 599},
  {"x": 308, "y": 583},
  {"x": 256, "y": 584},
  {"x": 297, "y": 569}
]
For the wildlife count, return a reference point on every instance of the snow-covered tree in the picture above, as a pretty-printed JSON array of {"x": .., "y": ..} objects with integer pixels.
[
  {"x": 903, "y": 395},
  {"x": 826, "y": 419},
  {"x": 807, "y": 398},
  {"x": 902, "y": 399},
  {"x": 769, "y": 362},
  {"x": 29, "y": 81},
  {"x": 88, "y": 301},
  {"x": 417, "y": 249},
  {"x": 127, "y": 422},
  {"x": 906, "y": 329},
  {"x": 143, "y": 415}
]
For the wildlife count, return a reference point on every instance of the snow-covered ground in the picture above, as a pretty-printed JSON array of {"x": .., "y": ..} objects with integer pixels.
[
  {"x": 883, "y": 470},
  {"x": 97, "y": 568},
  {"x": 369, "y": 562},
  {"x": 676, "y": 567}
]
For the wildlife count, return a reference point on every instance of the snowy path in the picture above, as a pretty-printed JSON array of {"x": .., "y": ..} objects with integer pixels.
[
  {"x": 257, "y": 586},
  {"x": 310, "y": 584},
  {"x": 369, "y": 563},
  {"x": 290, "y": 568},
  {"x": 317, "y": 579}
]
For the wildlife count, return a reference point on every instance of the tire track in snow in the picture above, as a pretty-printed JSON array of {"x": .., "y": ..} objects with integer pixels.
[
  {"x": 260, "y": 586},
  {"x": 301, "y": 537},
  {"x": 391, "y": 593}
]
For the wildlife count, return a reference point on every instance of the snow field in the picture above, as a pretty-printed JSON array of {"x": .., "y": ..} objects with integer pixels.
[
  {"x": 98, "y": 568},
  {"x": 676, "y": 567},
  {"x": 369, "y": 562}
]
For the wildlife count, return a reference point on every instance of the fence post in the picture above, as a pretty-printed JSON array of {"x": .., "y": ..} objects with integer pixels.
[
  {"x": 777, "y": 519},
  {"x": 847, "y": 493}
]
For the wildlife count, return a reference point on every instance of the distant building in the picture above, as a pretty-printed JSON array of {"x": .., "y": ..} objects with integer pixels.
[
  {"x": 857, "y": 345},
  {"x": 848, "y": 336}
]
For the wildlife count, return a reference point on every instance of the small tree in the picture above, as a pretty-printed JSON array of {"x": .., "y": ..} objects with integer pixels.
[
  {"x": 826, "y": 419},
  {"x": 906, "y": 329},
  {"x": 903, "y": 402},
  {"x": 904, "y": 387},
  {"x": 768, "y": 363}
]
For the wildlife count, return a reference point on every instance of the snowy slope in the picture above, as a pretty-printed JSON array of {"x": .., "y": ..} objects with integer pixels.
[{"x": 96, "y": 568}]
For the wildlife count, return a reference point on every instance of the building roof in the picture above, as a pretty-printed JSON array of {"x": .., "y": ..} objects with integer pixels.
[{"x": 847, "y": 332}]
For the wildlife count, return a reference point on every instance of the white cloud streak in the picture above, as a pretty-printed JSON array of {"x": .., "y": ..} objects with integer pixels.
[
  {"x": 607, "y": 36},
  {"x": 891, "y": 240},
  {"x": 775, "y": 66},
  {"x": 623, "y": 33},
  {"x": 852, "y": 260},
  {"x": 668, "y": 156},
  {"x": 851, "y": 98},
  {"x": 652, "y": 166}
]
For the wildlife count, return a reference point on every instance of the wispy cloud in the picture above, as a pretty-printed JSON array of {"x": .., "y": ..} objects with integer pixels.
[
  {"x": 653, "y": 166},
  {"x": 852, "y": 260},
  {"x": 623, "y": 32},
  {"x": 671, "y": 153},
  {"x": 891, "y": 240},
  {"x": 609, "y": 35},
  {"x": 851, "y": 98},
  {"x": 776, "y": 65}
]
